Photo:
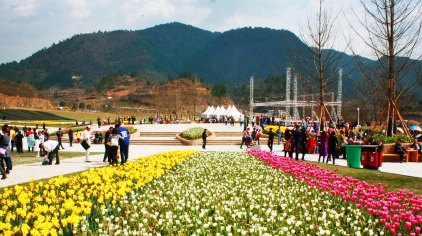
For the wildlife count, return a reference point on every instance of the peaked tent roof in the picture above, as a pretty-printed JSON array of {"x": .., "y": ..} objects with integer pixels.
[
  {"x": 227, "y": 112},
  {"x": 234, "y": 112},
  {"x": 206, "y": 111},
  {"x": 221, "y": 111}
]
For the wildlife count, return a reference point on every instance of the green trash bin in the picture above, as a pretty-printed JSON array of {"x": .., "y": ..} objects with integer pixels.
[{"x": 353, "y": 155}]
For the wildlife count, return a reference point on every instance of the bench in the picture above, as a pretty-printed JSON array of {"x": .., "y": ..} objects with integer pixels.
[{"x": 392, "y": 157}]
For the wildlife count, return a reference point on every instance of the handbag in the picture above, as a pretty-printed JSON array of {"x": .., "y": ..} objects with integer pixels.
[
  {"x": 114, "y": 141},
  {"x": 85, "y": 144},
  {"x": 2, "y": 151}
]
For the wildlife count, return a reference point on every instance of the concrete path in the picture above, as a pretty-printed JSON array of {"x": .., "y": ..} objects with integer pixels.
[{"x": 35, "y": 171}]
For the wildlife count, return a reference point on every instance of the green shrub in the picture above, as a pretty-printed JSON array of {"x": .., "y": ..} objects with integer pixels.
[
  {"x": 391, "y": 139},
  {"x": 194, "y": 133}
]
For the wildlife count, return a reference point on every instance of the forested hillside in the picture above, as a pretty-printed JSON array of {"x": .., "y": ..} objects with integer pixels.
[{"x": 164, "y": 52}]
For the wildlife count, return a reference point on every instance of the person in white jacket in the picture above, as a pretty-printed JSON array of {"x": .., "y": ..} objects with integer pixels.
[
  {"x": 87, "y": 137},
  {"x": 51, "y": 148}
]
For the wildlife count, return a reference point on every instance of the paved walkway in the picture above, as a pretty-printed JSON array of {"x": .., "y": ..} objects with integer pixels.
[{"x": 35, "y": 171}]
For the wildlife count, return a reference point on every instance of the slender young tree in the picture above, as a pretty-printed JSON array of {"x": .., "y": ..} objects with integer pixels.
[
  {"x": 318, "y": 65},
  {"x": 392, "y": 31}
]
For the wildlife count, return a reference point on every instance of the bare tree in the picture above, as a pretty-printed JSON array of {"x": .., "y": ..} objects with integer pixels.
[
  {"x": 318, "y": 65},
  {"x": 392, "y": 32}
]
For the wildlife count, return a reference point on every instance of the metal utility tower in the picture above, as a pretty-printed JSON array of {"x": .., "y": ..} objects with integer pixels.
[
  {"x": 295, "y": 111},
  {"x": 251, "y": 98},
  {"x": 339, "y": 92},
  {"x": 288, "y": 79},
  {"x": 308, "y": 99}
]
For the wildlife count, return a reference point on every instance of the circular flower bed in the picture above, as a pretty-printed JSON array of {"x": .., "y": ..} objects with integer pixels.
[{"x": 194, "y": 133}]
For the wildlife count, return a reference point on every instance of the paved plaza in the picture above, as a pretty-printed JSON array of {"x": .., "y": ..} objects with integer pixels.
[{"x": 35, "y": 171}]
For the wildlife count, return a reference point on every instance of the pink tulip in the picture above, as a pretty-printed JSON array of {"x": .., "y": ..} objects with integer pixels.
[
  {"x": 395, "y": 209},
  {"x": 408, "y": 225}
]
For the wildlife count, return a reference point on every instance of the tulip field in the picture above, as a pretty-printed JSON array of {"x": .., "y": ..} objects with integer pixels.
[{"x": 209, "y": 193}]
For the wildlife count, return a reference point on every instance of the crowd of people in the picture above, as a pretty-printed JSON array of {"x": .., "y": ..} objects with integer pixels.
[
  {"x": 37, "y": 142},
  {"x": 40, "y": 144},
  {"x": 307, "y": 138}
]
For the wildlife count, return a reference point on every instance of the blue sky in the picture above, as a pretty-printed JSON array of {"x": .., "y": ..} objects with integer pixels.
[{"x": 27, "y": 26}]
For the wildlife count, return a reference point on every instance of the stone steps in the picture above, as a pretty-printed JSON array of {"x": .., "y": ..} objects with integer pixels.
[{"x": 158, "y": 134}]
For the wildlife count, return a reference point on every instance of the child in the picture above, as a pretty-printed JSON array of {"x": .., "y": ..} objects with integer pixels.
[{"x": 37, "y": 147}]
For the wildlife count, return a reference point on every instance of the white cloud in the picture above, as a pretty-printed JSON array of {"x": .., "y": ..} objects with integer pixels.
[
  {"x": 24, "y": 8},
  {"x": 79, "y": 9},
  {"x": 37, "y": 24}
]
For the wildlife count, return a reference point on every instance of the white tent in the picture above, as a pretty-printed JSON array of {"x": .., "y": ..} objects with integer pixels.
[
  {"x": 214, "y": 112},
  {"x": 211, "y": 111},
  {"x": 228, "y": 110},
  {"x": 205, "y": 113},
  {"x": 220, "y": 112},
  {"x": 235, "y": 113}
]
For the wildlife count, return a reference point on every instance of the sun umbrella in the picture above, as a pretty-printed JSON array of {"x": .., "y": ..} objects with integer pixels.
[{"x": 415, "y": 128}]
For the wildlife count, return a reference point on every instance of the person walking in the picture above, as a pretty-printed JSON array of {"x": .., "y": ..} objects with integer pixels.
[
  {"x": 86, "y": 136},
  {"x": 204, "y": 138},
  {"x": 112, "y": 142},
  {"x": 245, "y": 138},
  {"x": 12, "y": 133},
  {"x": 59, "y": 135},
  {"x": 30, "y": 139},
  {"x": 322, "y": 146},
  {"x": 24, "y": 130},
  {"x": 107, "y": 145},
  {"x": 78, "y": 136},
  {"x": 304, "y": 143},
  {"x": 18, "y": 141},
  {"x": 279, "y": 135},
  {"x": 46, "y": 135},
  {"x": 70, "y": 133},
  {"x": 51, "y": 148},
  {"x": 332, "y": 147},
  {"x": 287, "y": 143},
  {"x": 295, "y": 143},
  {"x": 124, "y": 143},
  {"x": 271, "y": 139},
  {"x": 6, "y": 161}
]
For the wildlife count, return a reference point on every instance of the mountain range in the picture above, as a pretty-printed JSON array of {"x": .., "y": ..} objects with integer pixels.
[{"x": 163, "y": 52}]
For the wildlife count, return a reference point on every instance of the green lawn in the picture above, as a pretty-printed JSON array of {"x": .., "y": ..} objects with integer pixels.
[
  {"x": 52, "y": 115},
  {"x": 23, "y": 114},
  {"x": 394, "y": 181},
  {"x": 29, "y": 157}
]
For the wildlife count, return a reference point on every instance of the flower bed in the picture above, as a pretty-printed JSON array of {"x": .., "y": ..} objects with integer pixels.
[
  {"x": 275, "y": 128},
  {"x": 61, "y": 203},
  {"x": 193, "y": 133},
  {"x": 399, "y": 212},
  {"x": 232, "y": 193}
]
